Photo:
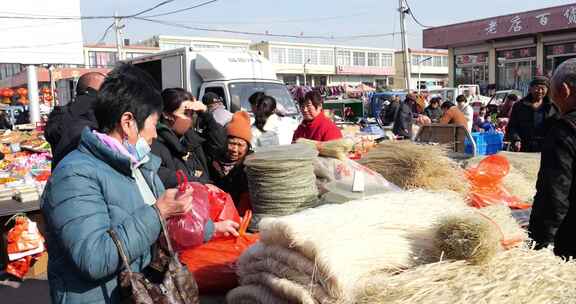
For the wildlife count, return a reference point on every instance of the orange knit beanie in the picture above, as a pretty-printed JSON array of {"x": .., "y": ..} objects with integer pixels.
[{"x": 239, "y": 126}]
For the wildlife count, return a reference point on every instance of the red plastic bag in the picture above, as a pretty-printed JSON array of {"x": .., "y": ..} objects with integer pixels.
[
  {"x": 25, "y": 245},
  {"x": 187, "y": 230},
  {"x": 214, "y": 263},
  {"x": 221, "y": 205},
  {"x": 486, "y": 182}
]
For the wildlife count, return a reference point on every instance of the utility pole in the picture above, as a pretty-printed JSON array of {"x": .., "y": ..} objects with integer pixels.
[
  {"x": 305, "y": 62},
  {"x": 403, "y": 10},
  {"x": 118, "y": 28}
]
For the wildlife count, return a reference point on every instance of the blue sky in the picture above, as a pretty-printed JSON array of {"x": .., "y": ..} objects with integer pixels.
[{"x": 335, "y": 18}]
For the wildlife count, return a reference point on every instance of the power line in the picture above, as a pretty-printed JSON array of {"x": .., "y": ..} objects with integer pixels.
[
  {"x": 230, "y": 31},
  {"x": 195, "y": 28},
  {"x": 49, "y": 17},
  {"x": 411, "y": 13},
  {"x": 38, "y": 45},
  {"x": 271, "y": 21},
  {"x": 103, "y": 38},
  {"x": 152, "y": 8},
  {"x": 181, "y": 10}
]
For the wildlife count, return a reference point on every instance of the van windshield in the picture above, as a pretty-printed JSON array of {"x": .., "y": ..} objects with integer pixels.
[{"x": 241, "y": 91}]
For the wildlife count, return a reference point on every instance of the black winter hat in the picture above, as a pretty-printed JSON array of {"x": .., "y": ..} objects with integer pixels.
[{"x": 540, "y": 80}]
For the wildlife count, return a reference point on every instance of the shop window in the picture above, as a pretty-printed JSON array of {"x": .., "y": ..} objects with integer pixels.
[
  {"x": 386, "y": 60},
  {"x": 326, "y": 57},
  {"x": 359, "y": 58},
  {"x": 373, "y": 59},
  {"x": 294, "y": 56},
  {"x": 444, "y": 61},
  {"x": 278, "y": 55},
  {"x": 206, "y": 46},
  {"x": 312, "y": 55},
  {"x": 343, "y": 58}
]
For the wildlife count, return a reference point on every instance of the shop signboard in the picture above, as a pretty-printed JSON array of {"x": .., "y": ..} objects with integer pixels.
[
  {"x": 358, "y": 70},
  {"x": 560, "y": 49},
  {"x": 528, "y": 52},
  {"x": 472, "y": 59},
  {"x": 521, "y": 24}
]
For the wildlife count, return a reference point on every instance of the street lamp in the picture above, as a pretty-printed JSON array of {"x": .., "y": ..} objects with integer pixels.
[
  {"x": 305, "y": 62},
  {"x": 420, "y": 71}
]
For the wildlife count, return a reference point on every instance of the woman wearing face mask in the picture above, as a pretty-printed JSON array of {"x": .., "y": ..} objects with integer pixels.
[
  {"x": 179, "y": 146},
  {"x": 109, "y": 183}
]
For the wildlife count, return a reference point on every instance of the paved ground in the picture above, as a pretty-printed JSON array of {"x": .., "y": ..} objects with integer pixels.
[
  {"x": 37, "y": 292},
  {"x": 31, "y": 292}
]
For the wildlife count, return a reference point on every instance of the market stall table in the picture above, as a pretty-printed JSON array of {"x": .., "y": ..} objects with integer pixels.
[{"x": 11, "y": 207}]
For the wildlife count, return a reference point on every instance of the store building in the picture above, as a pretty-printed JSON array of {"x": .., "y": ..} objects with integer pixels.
[
  {"x": 106, "y": 56},
  {"x": 328, "y": 65},
  {"x": 506, "y": 52},
  {"x": 428, "y": 69},
  {"x": 165, "y": 43}
]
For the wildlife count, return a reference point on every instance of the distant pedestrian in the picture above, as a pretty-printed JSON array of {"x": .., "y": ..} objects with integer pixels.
[
  {"x": 433, "y": 110},
  {"x": 467, "y": 110},
  {"x": 452, "y": 115},
  {"x": 404, "y": 119},
  {"x": 66, "y": 123},
  {"x": 532, "y": 117},
  {"x": 216, "y": 108}
]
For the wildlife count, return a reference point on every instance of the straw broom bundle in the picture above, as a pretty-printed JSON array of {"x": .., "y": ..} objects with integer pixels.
[
  {"x": 335, "y": 148},
  {"x": 478, "y": 236},
  {"x": 516, "y": 276},
  {"x": 414, "y": 166}
]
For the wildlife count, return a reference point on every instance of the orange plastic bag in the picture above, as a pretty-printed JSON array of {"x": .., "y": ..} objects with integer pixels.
[
  {"x": 486, "y": 182},
  {"x": 214, "y": 263}
]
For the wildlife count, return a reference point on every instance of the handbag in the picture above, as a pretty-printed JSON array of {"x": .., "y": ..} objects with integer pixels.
[{"x": 176, "y": 284}]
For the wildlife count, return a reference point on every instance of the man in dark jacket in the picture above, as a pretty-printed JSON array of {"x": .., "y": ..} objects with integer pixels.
[
  {"x": 192, "y": 153},
  {"x": 532, "y": 117},
  {"x": 65, "y": 124},
  {"x": 405, "y": 117},
  {"x": 553, "y": 218}
]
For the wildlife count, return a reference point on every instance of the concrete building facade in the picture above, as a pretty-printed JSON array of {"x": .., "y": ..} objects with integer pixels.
[
  {"x": 323, "y": 64},
  {"x": 428, "y": 69}
]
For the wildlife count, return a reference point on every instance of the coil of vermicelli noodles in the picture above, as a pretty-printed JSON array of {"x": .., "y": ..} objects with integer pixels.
[{"x": 281, "y": 181}]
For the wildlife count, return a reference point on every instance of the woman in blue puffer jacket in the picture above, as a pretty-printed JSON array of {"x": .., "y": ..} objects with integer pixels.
[{"x": 109, "y": 182}]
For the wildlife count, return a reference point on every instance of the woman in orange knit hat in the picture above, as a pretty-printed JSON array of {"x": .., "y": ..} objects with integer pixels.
[{"x": 228, "y": 170}]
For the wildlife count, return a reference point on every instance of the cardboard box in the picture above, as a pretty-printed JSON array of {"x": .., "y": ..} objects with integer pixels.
[{"x": 40, "y": 268}]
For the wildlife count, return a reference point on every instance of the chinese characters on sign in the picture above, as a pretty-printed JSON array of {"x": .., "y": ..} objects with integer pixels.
[
  {"x": 492, "y": 27},
  {"x": 570, "y": 14},
  {"x": 543, "y": 19},
  {"x": 516, "y": 24}
]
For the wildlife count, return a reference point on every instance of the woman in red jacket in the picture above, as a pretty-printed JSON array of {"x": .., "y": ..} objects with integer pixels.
[{"x": 315, "y": 126}]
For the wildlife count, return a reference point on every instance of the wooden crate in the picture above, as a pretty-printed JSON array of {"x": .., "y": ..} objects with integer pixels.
[{"x": 452, "y": 136}]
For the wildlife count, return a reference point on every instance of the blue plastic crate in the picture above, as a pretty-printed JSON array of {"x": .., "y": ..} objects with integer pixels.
[{"x": 486, "y": 143}]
